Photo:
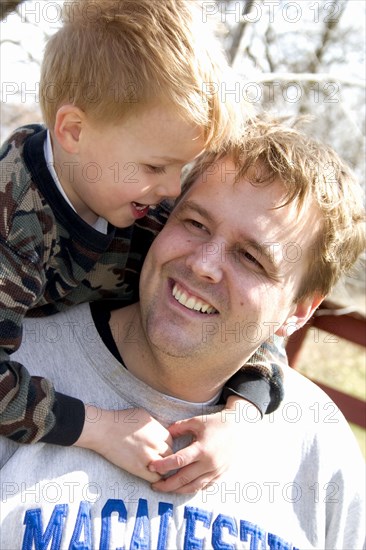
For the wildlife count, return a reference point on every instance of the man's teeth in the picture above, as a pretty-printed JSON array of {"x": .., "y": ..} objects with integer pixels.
[{"x": 191, "y": 302}]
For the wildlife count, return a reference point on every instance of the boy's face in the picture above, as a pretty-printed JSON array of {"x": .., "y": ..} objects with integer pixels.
[{"x": 122, "y": 169}]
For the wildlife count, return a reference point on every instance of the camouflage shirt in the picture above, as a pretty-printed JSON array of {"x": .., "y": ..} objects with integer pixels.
[{"x": 50, "y": 259}]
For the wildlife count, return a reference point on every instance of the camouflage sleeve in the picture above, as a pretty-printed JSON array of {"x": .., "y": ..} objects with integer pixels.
[
  {"x": 30, "y": 409},
  {"x": 260, "y": 380}
]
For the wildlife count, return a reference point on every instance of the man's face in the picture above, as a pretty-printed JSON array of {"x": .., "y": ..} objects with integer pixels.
[{"x": 222, "y": 276}]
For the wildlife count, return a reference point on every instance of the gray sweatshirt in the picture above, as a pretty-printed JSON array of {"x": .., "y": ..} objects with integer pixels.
[{"x": 297, "y": 484}]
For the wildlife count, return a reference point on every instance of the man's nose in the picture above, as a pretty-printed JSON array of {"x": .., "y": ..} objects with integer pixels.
[{"x": 207, "y": 262}]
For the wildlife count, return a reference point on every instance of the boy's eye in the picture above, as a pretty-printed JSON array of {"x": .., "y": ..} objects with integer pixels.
[{"x": 155, "y": 169}]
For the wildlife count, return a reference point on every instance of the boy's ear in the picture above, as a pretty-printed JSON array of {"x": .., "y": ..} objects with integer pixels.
[
  {"x": 301, "y": 313},
  {"x": 68, "y": 126}
]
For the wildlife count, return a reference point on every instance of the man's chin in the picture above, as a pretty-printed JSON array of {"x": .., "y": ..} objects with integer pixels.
[{"x": 169, "y": 344}]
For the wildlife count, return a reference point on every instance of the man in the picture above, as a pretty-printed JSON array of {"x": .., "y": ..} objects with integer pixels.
[{"x": 258, "y": 238}]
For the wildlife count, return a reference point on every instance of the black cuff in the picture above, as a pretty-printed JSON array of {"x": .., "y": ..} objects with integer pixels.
[
  {"x": 70, "y": 417},
  {"x": 254, "y": 389}
]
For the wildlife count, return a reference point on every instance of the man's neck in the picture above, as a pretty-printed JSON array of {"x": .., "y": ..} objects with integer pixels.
[{"x": 175, "y": 376}]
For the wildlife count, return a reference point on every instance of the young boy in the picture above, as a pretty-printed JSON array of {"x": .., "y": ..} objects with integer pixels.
[{"x": 126, "y": 95}]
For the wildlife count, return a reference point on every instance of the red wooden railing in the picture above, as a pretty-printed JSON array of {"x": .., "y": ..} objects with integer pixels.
[{"x": 350, "y": 326}]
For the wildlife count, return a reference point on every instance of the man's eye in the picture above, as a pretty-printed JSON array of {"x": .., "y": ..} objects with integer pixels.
[
  {"x": 251, "y": 259},
  {"x": 195, "y": 224},
  {"x": 155, "y": 169}
]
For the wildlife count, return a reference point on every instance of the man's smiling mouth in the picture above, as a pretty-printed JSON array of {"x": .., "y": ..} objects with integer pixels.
[{"x": 192, "y": 302}]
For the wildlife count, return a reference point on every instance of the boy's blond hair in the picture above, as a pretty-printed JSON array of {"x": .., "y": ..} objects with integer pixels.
[
  {"x": 313, "y": 176},
  {"x": 112, "y": 57}
]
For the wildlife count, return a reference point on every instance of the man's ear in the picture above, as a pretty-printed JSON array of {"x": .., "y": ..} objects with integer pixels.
[
  {"x": 68, "y": 126},
  {"x": 301, "y": 313}
]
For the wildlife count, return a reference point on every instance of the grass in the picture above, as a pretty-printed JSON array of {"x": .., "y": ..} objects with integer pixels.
[{"x": 337, "y": 363}]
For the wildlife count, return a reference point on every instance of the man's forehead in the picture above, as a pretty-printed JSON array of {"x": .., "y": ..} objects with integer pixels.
[{"x": 275, "y": 230}]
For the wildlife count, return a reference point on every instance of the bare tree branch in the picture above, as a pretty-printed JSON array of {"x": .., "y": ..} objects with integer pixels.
[
  {"x": 268, "y": 43},
  {"x": 7, "y": 6},
  {"x": 9, "y": 41},
  {"x": 239, "y": 31},
  {"x": 326, "y": 37}
]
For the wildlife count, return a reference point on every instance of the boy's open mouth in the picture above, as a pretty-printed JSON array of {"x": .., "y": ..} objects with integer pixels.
[
  {"x": 140, "y": 206},
  {"x": 140, "y": 210}
]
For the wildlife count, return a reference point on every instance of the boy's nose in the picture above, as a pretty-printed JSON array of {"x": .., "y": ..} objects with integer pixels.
[{"x": 170, "y": 187}]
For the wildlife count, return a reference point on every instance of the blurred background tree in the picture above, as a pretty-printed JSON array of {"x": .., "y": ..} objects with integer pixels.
[{"x": 302, "y": 57}]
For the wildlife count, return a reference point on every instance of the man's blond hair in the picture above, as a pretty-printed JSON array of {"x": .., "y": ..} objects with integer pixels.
[
  {"x": 112, "y": 57},
  {"x": 314, "y": 176}
]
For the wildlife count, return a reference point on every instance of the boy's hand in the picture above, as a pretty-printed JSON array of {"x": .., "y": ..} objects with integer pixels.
[
  {"x": 216, "y": 438},
  {"x": 129, "y": 438}
]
